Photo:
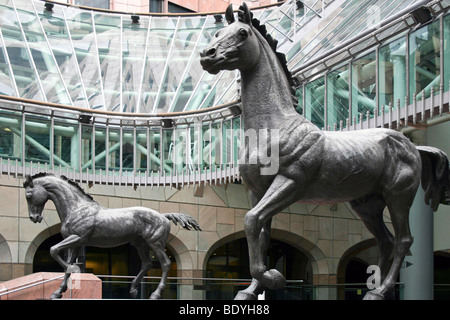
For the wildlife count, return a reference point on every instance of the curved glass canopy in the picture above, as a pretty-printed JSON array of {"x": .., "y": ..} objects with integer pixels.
[{"x": 115, "y": 61}]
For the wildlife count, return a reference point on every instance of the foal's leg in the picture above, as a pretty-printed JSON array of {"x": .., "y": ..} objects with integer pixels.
[
  {"x": 146, "y": 264},
  {"x": 280, "y": 194},
  {"x": 68, "y": 243},
  {"x": 158, "y": 248},
  {"x": 72, "y": 255}
]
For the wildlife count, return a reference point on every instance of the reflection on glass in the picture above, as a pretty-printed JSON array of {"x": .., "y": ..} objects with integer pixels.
[
  {"x": 446, "y": 52},
  {"x": 134, "y": 41},
  {"x": 363, "y": 86},
  {"x": 65, "y": 145},
  {"x": 392, "y": 74},
  {"x": 338, "y": 97},
  {"x": 108, "y": 34},
  {"x": 10, "y": 137},
  {"x": 314, "y": 100},
  {"x": 85, "y": 46},
  {"x": 37, "y": 141},
  {"x": 424, "y": 60}
]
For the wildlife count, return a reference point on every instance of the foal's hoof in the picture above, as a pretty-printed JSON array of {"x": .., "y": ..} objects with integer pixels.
[
  {"x": 242, "y": 295},
  {"x": 56, "y": 295},
  {"x": 371, "y": 295},
  {"x": 273, "y": 279},
  {"x": 133, "y": 293},
  {"x": 155, "y": 296}
]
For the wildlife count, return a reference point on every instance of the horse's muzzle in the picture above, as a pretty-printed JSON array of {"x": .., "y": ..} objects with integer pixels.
[{"x": 35, "y": 218}]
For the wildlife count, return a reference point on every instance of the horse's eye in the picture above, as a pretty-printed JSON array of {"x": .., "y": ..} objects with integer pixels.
[
  {"x": 217, "y": 34},
  {"x": 243, "y": 33}
]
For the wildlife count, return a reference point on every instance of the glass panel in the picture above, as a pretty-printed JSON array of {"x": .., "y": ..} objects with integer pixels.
[
  {"x": 56, "y": 32},
  {"x": 215, "y": 144},
  {"x": 392, "y": 74},
  {"x": 6, "y": 80},
  {"x": 114, "y": 149},
  {"x": 10, "y": 137},
  {"x": 42, "y": 54},
  {"x": 127, "y": 149},
  {"x": 134, "y": 41},
  {"x": 37, "y": 141},
  {"x": 65, "y": 144},
  {"x": 141, "y": 149},
  {"x": 100, "y": 148},
  {"x": 446, "y": 52},
  {"x": 227, "y": 135},
  {"x": 167, "y": 150},
  {"x": 86, "y": 147},
  {"x": 181, "y": 51},
  {"x": 108, "y": 32},
  {"x": 201, "y": 82},
  {"x": 236, "y": 142},
  {"x": 159, "y": 41},
  {"x": 338, "y": 97},
  {"x": 85, "y": 46},
  {"x": 314, "y": 102},
  {"x": 363, "y": 86},
  {"x": 24, "y": 74},
  {"x": 179, "y": 151},
  {"x": 424, "y": 60},
  {"x": 155, "y": 149}
]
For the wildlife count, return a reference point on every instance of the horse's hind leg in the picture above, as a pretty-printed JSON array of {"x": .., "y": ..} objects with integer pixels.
[
  {"x": 370, "y": 210},
  {"x": 399, "y": 212},
  {"x": 158, "y": 248},
  {"x": 146, "y": 264}
]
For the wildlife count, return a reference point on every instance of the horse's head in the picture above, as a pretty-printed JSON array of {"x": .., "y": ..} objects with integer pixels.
[
  {"x": 235, "y": 46},
  {"x": 36, "y": 196}
]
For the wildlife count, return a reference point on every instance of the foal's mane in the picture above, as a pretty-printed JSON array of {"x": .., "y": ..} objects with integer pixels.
[{"x": 64, "y": 178}]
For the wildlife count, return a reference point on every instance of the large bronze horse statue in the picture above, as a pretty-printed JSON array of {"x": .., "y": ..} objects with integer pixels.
[
  {"x": 371, "y": 169},
  {"x": 85, "y": 223}
]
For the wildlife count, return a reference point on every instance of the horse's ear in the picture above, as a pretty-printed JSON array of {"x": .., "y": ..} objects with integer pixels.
[
  {"x": 245, "y": 14},
  {"x": 229, "y": 14},
  {"x": 28, "y": 182}
]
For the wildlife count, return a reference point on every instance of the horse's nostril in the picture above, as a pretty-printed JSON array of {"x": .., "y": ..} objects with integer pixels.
[{"x": 210, "y": 52}]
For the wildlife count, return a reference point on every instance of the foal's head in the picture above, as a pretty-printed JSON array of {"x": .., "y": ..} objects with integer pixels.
[
  {"x": 235, "y": 46},
  {"x": 37, "y": 197}
]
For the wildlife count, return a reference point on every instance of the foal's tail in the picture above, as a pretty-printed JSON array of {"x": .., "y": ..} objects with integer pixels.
[
  {"x": 435, "y": 176},
  {"x": 184, "y": 220}
]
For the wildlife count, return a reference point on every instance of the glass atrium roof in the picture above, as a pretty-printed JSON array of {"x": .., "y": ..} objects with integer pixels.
[{"x": 106, "y": 61}]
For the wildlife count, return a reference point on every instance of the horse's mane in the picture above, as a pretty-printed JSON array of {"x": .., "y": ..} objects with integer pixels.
[
  {"x": 64, "y": 178},
  {"x": 273, "y": 43}
]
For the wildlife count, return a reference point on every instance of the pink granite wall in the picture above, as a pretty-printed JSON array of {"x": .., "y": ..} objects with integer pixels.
[{"x": 82, "y": 286}]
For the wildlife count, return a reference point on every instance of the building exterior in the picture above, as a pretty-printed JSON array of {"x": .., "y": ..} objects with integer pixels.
[{"x": 114, "y": 98}]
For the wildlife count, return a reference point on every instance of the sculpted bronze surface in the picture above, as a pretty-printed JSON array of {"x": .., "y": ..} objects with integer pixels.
[
  {"x": 85, "y": 223},
  {"x": 371, "y": 169}
]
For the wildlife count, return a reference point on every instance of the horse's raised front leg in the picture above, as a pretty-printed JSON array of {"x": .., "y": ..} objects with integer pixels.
[
  {"x": 280, "y": 194},
  {"x": 72, "y": 243}
]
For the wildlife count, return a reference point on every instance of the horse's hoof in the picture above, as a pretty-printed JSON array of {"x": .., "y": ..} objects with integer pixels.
[
  {"x": 56, "y": 295},
  {"x": 273, "y": 279},
  {"x": 133, "y": 293},
  {"x": 242, "y": 295},
  {"x": 371, "y": 295},
  {"x": 155, "y": 296}
]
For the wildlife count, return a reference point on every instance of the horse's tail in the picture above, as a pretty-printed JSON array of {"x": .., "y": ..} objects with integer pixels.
[
  {"x": 186, "y": 221},
  {"x": 435, "y": 176}
]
